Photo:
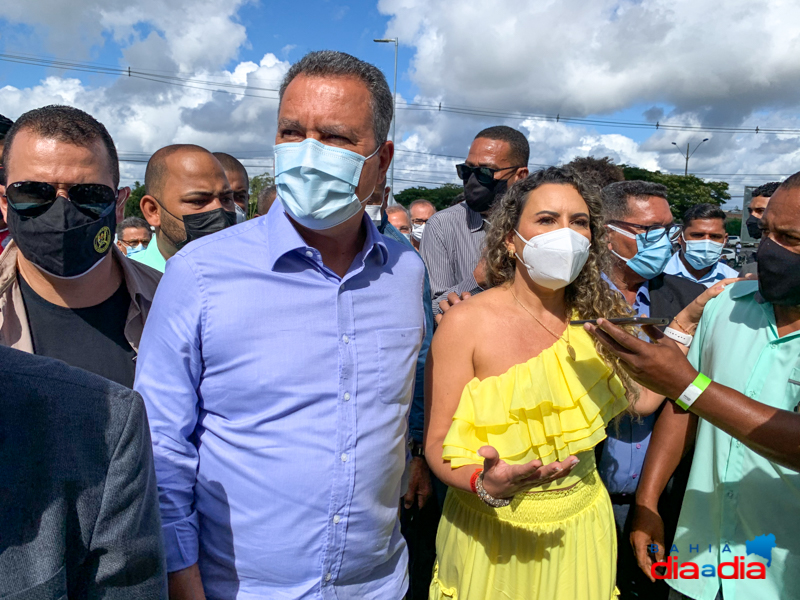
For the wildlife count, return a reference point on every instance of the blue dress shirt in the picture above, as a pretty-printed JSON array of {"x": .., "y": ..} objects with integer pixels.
[
  {"x": 623, "y": 453},
  {"x": 278, "y": 395},
  {"x": 675, "y": 266},
  {"x": 416, "y": 418}
]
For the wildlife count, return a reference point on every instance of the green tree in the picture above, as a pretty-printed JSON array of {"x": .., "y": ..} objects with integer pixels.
[
  {"x": 733, "y": 226},
  {"x": 132, "y": 208},
  {"x": 682, "y": 191},
  {"x": 440, "y": 197},
  {"x": 257, "y": 183}
]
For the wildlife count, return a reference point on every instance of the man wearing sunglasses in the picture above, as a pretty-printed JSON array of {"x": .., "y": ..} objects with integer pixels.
[
  {"x": 451, "y": 247},
  {"x": 66, "y": 291},
  {"x": 641, "y": 232}
]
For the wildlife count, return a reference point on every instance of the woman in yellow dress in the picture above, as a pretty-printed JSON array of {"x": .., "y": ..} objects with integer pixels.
[{"x": 517, "y": 399}]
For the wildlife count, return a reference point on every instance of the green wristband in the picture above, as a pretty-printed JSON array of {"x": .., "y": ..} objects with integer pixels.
[{"x": 691, "y": 393}]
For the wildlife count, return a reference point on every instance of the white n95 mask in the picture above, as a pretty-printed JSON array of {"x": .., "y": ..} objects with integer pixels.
[
  {"x": 554, "y": 259},
  {"x": 317, "y": 183}
]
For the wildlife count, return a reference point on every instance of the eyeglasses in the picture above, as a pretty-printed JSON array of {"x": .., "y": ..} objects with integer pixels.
[
  {"x": 135, "y": 242},
  {"x": 34, "y": 198},
  {"x": 653, "y": 233},
  {"x": 484, "y": 175}
]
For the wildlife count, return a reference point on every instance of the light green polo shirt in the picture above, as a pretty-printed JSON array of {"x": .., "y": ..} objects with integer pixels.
[
  {"x": 735, "y": 495},
  {"x": 151, "y": 256}
]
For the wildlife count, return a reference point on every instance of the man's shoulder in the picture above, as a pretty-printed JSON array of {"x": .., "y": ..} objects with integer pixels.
[
  {"x": 146, "y": 277},
  {"x": 447, "y": 216},
  {"x": 37, "y": 385},
  {"x": 682, "y": 287},
  {"x": 726, "y": 271},
  {"x": 212, "y": 245}
]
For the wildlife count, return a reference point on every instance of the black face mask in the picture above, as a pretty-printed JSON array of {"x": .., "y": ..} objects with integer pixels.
[
  {"x": 778, "y": 274},
  {"x": 480, "y": 197},
  {"x": 63, "y": 241},
  {"x": 198, "y": 225},
  {"x": 753, "y": 227}
]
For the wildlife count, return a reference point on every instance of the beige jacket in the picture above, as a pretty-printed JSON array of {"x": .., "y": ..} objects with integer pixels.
[{"x": 15, "y": 332}]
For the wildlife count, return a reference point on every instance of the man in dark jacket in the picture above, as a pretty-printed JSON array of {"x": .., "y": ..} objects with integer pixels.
[
  {"x": 78, "y": 494},
  {"x": 641, "y": 232}
]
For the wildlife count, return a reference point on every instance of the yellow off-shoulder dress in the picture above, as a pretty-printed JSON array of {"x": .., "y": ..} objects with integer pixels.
[{"x": 556, "y": 542}]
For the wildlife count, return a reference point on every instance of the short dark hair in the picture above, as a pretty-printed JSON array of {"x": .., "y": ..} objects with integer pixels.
[
  {"x": 5, "y": 125},
  {"x": 64, "y": 124},
  {"x": 597, "y": 171},
  {"x": 520, "y": 149},
  {"x": 265, "y": 199},
  {"x": 791, "y": 182},
  {"x": 156, "y": 171},
  {"x": 702, "y": 211},
  {"x": 327, "y": 63},
  {"x": 766, "y": 190},
  {"x": 616, "y": 196},
  {"x": 230, "y": 163},
  {"x": 133, "y": 222}
]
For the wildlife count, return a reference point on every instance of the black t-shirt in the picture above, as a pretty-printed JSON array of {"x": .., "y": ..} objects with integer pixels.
[{"x": 91, "y": 338}]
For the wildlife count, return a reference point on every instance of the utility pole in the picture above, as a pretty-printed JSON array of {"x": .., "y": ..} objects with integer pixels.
[
  {"x": 394, "y": 100},
  {"x": 687, "y": 156}
]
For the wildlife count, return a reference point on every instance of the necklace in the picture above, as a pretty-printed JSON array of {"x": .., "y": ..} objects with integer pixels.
[{"x": 570, "y": 349}]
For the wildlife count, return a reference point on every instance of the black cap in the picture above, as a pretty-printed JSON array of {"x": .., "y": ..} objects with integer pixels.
[{"x": 5, "y": 125}]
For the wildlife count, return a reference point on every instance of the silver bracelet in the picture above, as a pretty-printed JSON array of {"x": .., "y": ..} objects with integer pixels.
[{"x": 488, "y": 499}]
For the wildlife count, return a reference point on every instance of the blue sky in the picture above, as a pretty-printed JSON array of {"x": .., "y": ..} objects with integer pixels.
[{"x": 612, "y": 59}]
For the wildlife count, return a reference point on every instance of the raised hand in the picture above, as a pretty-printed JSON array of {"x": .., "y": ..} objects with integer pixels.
[{"x": 502, "y": 480}]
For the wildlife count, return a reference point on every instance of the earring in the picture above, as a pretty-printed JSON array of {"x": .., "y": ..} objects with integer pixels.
[{"x": 510, "y": 253}]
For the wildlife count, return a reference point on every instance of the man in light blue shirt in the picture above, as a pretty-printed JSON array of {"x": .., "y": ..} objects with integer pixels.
[
  {"x": 702, "y": 240},
  {"x": 280, "y": 441}
]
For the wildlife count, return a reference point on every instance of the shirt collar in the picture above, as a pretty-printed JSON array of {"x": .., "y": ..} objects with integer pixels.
[
  {"x": 643, "y": 291},
  {"x": 741, "y": 289},
  {"x": 284, "y": 239}
]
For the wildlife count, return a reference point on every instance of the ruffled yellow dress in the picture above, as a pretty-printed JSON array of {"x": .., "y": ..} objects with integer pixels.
[{"x": 556, "y": 542}]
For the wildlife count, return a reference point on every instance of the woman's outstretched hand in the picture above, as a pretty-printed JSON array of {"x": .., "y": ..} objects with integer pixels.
[{"x": 502, "y": 480}]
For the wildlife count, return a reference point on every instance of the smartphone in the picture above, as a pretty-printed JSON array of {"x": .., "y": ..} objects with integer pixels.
[{"x": 627, "y": 321}]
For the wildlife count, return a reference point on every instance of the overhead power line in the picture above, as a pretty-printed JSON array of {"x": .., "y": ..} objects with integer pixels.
[{"x": 229, "y": 88}]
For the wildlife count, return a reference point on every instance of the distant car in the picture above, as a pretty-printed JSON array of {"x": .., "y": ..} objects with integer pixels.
[
  {"x": 733, "y": 240},
  {"x": 749, "y": 244},
  {"x": 729, "y": 255}
]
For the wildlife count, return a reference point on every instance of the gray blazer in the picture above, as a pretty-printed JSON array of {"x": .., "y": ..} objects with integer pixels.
[{"x": 78, "y": 499}]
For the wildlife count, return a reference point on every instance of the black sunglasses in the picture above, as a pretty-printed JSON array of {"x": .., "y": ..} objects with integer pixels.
[
  {"x": 484, "y": 175},
  {"x": 34, "y": 198}
]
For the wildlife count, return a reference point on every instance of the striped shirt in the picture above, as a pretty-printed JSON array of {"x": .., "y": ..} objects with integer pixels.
[{"x": 451, "y": 248}]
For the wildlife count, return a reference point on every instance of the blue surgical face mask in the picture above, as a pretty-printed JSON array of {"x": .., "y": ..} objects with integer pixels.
[
  {"x": 131, "y": 251},
  {"x": 651, "y": 256},
  {"x": 702, "y": 254},
  {"x": 317, "y": 183}
]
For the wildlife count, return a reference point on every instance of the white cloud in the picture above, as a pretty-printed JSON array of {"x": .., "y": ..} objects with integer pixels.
[
  {"x": 682, "y": 60},
  {"x": 691, "y": 60}
]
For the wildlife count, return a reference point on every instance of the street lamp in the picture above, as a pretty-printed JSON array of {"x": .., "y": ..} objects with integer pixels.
[
  {"x": 687, "y": 156},
  {"x": 394, "y": 98}
]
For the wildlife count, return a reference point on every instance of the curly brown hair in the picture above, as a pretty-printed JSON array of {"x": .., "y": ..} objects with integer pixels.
[{"x": 589, "y": 295}]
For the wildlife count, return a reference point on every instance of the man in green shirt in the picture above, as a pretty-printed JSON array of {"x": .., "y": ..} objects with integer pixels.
[
  {"x": 743, "y": 497},
  {"x": 187, "y": 196}
]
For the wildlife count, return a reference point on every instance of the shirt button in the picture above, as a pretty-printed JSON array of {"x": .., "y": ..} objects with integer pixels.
[
  {"x": 730, "y": 494},
  {"x": 346, "y": 396},
  {"x": 344, "y": 456},
  {"x": 309, "y": 253},
  {"x": 336, "y": 519},
  {"x": 345, "y": 339},
  {"x": 638, "y": 446},
  {"x": 327, "y": 576}
]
